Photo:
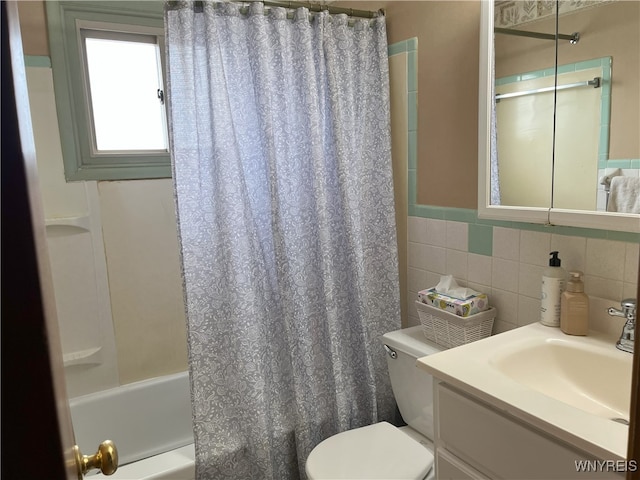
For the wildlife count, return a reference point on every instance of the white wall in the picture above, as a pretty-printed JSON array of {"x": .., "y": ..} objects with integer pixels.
[
  {"x": 115, "y": 263},
  {"x": 141, "y": 244}
]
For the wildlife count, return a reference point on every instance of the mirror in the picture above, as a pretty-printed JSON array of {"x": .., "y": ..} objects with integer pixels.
[{"x": 555, "y": 151}]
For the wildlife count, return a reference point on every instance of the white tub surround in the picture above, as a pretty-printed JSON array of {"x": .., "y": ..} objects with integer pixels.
[
  {"x": 554, "y": 387},
  {"x": 143, "y": 419},
  {"x": 178, "y": 464}
]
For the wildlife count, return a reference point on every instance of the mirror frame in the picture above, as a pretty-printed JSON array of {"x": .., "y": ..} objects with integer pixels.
[{"x": 548, "y": 216}]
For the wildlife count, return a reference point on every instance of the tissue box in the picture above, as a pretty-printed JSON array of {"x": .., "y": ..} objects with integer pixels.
[{"x": 461, "y": 307}]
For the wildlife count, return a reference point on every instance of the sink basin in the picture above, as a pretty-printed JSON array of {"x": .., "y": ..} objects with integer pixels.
[
  {"x": 570, "y": 387},
  {"x": 587, "y": 376}
]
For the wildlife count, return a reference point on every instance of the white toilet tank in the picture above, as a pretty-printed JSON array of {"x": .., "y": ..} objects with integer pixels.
[{"x": 412, "y": 387}]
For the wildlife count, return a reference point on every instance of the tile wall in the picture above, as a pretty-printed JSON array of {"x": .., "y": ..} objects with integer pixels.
[{"x": 511, "y": 273}]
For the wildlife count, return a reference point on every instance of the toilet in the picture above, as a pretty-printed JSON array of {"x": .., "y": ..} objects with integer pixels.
[{"x": 382, "y": 451}]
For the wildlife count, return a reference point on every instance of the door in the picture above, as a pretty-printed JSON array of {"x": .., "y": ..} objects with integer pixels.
[{"x": 38, "y": 440}]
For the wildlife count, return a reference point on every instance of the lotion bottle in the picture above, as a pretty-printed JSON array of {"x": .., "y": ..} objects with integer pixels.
[
  {"x": 553, "y": 280},
  {"x": 574, "y": 307}
]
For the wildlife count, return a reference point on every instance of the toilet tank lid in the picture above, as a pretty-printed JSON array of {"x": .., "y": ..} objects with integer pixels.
[{"x": 411, "y": 341}]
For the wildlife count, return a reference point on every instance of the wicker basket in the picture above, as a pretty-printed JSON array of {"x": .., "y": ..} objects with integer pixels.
[{"x": 450, "y": 330}]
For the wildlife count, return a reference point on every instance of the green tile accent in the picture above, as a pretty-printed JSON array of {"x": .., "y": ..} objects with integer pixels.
[
  {"x": 571, "y": 67},
  {"x": 619, "y": 164},
  {"x": 605, "y": 112},
  {"x": 460, "y": 214},
  {"x": 586, "y": 64},
  {"x": 532, "y": 75},
  {"x": 495, "y": 223},
  {"x": 429, "y": 211},
  {"x": 602, "y": 162},
  {"x": 41, "y": 61},
  {"x": 635, "y": 163},
  {"x": 478, "y": 226},
  {"x": 412, "y": 71},
  {"x": 506, "y": 80},
  {"x": 624, "y": 236},
  {"x": 604, "y": 138},
  {"x": 412, "y": 108},
  {"x": 395, "y": 48},
  {"x": 412, "y": 150},
  {"x": 412, "y": 44},
  {"x": 481, "y": 239},
  {"x": 411, "y": 187}
]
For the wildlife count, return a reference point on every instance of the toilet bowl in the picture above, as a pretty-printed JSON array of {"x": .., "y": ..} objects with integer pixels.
[{"x": 381, "y": 450}]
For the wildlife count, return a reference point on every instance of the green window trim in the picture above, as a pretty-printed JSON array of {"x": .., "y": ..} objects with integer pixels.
[{"x": 71, "y": 102}]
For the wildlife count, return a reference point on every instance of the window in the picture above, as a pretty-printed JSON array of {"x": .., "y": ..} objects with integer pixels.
[
  {"x": 108, "y": 77},
  {"x": 123, "y": 79}
]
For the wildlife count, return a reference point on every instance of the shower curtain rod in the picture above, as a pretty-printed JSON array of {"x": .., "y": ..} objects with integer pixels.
[
  {"x": 595, "y": 83},
  {"x": 313, "y": 7},
  {"x": 573, "y": 38}
]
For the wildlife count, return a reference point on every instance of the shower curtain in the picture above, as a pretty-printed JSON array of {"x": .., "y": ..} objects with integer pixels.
[
  {"x": 494, "y": 170},
  {"x": 280, "y": 142}
]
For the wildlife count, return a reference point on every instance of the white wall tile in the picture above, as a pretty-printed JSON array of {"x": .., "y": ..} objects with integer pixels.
[
  {"x": 413, "y": 321},
  {"x": 506, "y": 304},
  {"x": 417, "y": 229},
  {"x": 415, "y": 256},
  {"x": 479, "y": 287},
  {"x": 572, "y": 251},
  {"x": 535, "y": 247},
  {"x": 530, "y": 280},
  {"x": 500, "y": 326},
  {"x": 456, "y": 264},
  {"x": 599, "y": 318},
  {"x": 630, "y": 290},
  {"x": 433, "y": 279},
  {"x": 412, "y": 312},
  {"x": 479, "y": 269},
  {"x": 603, "y": 287},
  {"x": 504, "y": 274},
  {"x": 506, "y": 243},
  {"x": 605, "y": 258},
  {"x": 457, "y": 236},
  {"x": 435, "y": 259},
  {"x": 631, "y": 263},
  {"x": 528, "y": 310},
  {"x": 512, "y": 276},
  {"x": 416, "y": 279},
  {"x": 436, "y": 232}
]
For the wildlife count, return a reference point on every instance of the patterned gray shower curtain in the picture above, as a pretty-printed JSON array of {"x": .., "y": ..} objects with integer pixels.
[{"x": 280, "y": 143}]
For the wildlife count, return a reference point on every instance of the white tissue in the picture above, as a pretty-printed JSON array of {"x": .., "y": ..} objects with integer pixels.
[{"x": 449, "y": 286}]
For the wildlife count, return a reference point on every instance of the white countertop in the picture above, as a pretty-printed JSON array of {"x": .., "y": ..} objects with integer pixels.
[{"x": 470, "y": 368}]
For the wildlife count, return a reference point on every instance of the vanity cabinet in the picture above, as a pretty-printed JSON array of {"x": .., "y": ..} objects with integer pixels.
[{"x": 474, "y": 440}]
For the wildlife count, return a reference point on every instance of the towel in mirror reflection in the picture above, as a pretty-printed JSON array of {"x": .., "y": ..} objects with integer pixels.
[{"x": 624, "y": 196}]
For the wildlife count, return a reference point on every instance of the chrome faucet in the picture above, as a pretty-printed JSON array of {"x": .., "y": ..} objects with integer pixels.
[{"x": 628, "y": 331}]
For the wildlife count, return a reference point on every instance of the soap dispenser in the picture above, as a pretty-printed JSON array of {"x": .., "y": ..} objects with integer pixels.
[
  {"x": 553, "y": 279},
  {"x": 574, "y": 307}
]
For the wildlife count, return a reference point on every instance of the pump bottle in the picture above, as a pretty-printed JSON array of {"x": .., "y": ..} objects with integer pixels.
[
  {"x": 574, "y": 307},
  {"x": 553, "y": 280}
]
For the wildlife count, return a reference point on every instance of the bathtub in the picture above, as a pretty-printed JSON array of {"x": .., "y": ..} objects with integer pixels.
[{"x": 150, "y": 423}]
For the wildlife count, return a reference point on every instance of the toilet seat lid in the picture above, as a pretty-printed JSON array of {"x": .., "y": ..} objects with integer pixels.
[{"x": 379, "y": 451}]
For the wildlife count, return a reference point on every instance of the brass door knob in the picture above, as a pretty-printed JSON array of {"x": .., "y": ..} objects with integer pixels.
[{"x": 105, "y": 459}]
